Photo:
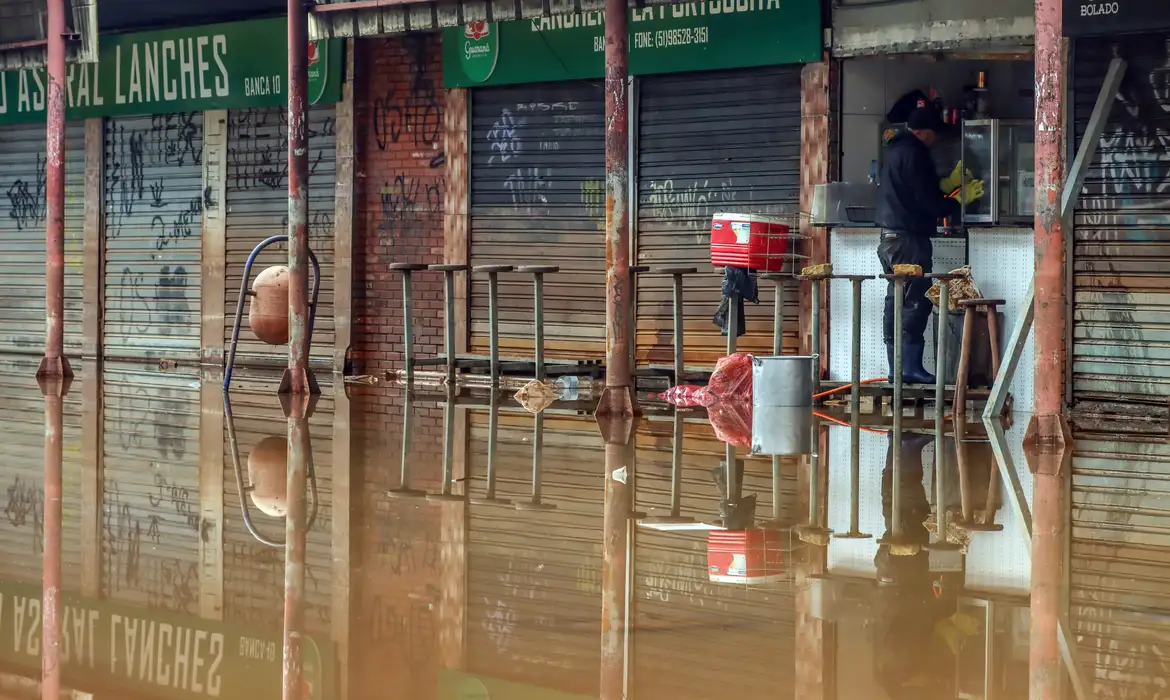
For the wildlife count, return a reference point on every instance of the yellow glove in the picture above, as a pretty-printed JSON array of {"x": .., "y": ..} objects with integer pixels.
[
  {"x": 955, "y": 179},
  {"x": 972, "y": 192}
]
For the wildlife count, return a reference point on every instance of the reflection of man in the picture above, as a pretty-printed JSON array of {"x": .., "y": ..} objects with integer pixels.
[{"x": 910, "y": 203}]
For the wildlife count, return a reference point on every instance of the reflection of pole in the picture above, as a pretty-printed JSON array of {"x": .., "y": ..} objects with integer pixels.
[
  {"x": 1044, "y": 669},
  {"x": 54, "y": 394},
  {"x": 404, "y": 490},
  {"x": 54, "y": 363},
  {"x": 618, "y": 399},
  {"x": 294, "y": 554},
  {"x": 298, "y": 378},
  {"x": 449, "y": 415},
  {"x": 619, "y": 466},
  {"x": 812, "y": 532}
]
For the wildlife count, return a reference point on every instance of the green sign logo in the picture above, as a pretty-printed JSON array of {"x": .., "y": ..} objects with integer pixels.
[
  {"x": 481, "y": 50},
  {"x": 318, "y": 70}
]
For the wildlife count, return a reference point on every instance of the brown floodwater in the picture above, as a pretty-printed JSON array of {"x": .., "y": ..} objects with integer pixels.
[{"x": 456, "y": 547}]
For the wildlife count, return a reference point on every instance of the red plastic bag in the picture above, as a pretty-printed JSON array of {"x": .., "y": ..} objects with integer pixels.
[
  {"x": 731, "y": 380},
  {"x": 731, "y": 420},
  {"x": 685, "y": 395}
]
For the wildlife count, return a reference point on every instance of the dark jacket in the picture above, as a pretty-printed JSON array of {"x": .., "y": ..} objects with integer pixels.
[{"x": 909, "y": 199}]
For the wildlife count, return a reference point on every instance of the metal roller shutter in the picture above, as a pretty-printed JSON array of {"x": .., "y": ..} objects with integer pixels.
[
  {"x": 1121, "y": 239},
  {"x": 538, "y": 197},
  {"x": 23, "y": 215},
  {"x": 534, "y": 578},
  {"x": 154, "y": 229},
  {"x": 257, "y": 206},
  {"x": 755, "y": 623},
  {"x": 254, "y": 572},
  {"x": 150, "y": 536},
  {"x": 1120, "y": 553},
  {"x": 22, "y": 432},
  {"x": 708, "y": 142}
]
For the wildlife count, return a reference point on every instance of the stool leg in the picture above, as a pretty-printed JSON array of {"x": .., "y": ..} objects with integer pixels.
[
  {"x": 449, "y": 280},
  {"x": 494, "y": 323},
  {"x": 732, "y": 323},
  {"x": 940, "y": 381},
  {"x": 993, "y": 339},
  {"x": 678, "y": 330},
  {"x": 815, "y": 299},
  {"x": 408, "y": 326},
  {"x": 960, "y": 408},
  {"x": 632, "y": 325},
  {"x": 778, "y": 320},
  {"x": 899, "y": 297},
  {"x": 538, "y": 318}
]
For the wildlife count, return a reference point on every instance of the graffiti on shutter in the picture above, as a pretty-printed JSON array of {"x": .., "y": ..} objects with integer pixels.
[
  {"x": 257, "y": 198},
  {"x": 153, "y": 236},
  {"x": 23, "y": 217}
]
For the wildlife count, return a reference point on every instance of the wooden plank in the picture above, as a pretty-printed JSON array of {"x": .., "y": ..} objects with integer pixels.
[
  {"x": 214, "y": 235},
  {"x": 91, "y": 324},
  {"x": 93, "y": 460},
  {"x": 343, "y": 220},
  {"x": 342, "y": 544},
  {"x": 456, "y": 225}
]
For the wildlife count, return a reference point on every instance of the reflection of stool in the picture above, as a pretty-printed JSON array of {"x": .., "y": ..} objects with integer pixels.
[
  {"x": 990, "y": 307},
  {"x": 407, "y": 270},
  {"x": 535, "y": 503},
  {"x": 676, "y": 467},
  {"x": 404, "y": 490},
  {"x": 493, "y": 273},
  {"x": 493, "y": 429},
  {"x": 676, "y": 274},
  {"x": 449, "y": 294},
  {"x": 445, "y": 494},
  {"x": 538, "y": 272}
]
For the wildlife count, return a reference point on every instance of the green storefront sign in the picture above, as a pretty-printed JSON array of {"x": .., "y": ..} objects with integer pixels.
[
  {"x": 708, "y": 35},
  {"x": 156, "y": 654},
  {"x": 217, "y": 66}
]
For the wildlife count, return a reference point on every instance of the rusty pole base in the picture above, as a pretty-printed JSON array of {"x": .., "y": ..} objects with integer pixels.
[
  {"x": 308, "y": 379},
  {"x": 1047, "y": 432},
  {"x": 54, "y": 367},
  {"x": 54, "y": 386},
  {"x": 617, "y": 403},
  {"x": 1049, "y": 459},
  {"x": 299, "y": 405}
]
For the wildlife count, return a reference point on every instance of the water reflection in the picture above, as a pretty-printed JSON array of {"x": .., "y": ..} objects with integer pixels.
[{"x": 519, "y": 566}]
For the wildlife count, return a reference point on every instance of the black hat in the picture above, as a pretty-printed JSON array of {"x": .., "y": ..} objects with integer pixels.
[{"x": 923, "y": 118}]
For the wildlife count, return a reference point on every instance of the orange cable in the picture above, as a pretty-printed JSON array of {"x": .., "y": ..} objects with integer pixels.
[
  {"x": 838, "y": 421},
  {"x": 843, "y": 387}
]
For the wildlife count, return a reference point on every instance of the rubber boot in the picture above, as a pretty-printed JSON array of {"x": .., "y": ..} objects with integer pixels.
[
  {"x": 890, "y": 361},
  {"x": 912, "y": 370}
]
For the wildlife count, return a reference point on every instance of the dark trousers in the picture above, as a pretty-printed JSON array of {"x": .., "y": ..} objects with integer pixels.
[{"x": 899, "y": 248}]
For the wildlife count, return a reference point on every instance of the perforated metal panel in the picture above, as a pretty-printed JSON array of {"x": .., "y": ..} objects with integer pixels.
[
  {"x": 709, "y": 142},
  {"x": 150, "y": 534},
  {"x": 854, "y": 252},
  {"x": 23, "y": 216},
  {"x": 153, "y": 239},
  {"x": 1121, "y": 350},
  {"x": 538, "y": 197},
  {"x": 257, "y": 207}
]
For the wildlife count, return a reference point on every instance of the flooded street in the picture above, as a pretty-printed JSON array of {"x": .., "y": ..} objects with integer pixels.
[{"x": 465, "y": 548}]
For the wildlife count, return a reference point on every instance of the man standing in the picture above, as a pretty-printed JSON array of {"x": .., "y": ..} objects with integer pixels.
[{"x": 910, "y": 202}]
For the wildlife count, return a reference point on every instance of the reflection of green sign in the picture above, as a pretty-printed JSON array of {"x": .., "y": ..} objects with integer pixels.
[
  {"x": 216, "y": 66},
  {"x": 676, "y": 38},
  {"x": 480, "y": 50},
  {"x": 156, "y": 654},
  {"x": 455, "y": 685}
]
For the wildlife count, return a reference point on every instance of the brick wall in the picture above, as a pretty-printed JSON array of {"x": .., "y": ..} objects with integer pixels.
[{"x": 399, "y": 193}]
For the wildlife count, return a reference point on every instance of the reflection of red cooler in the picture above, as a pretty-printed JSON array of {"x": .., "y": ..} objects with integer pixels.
[
  {"x": 748, "y": 240},
  {"x": 744, "y": 556}
]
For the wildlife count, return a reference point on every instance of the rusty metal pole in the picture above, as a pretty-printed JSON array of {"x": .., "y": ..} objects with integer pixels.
[
  {"x": 54, "y": 363},
  {"x": 53, "y": 390},
  {"x": 1045, "y": 671},
  {"x": 294, "y": 551},
  {"x": 618, "y": 398},
  {"x": 619, "y": 495},
  {"x": 1047, "y": 422},
  {"x": 298, "y": 378}
]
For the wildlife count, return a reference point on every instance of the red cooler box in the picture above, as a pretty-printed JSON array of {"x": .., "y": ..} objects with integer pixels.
[
  {"x": 744, "y": 556},
  {"x": 748, "y": 240}
]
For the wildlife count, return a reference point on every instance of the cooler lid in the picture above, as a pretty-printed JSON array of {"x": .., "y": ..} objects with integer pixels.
[{"x": 749, "y": 218}]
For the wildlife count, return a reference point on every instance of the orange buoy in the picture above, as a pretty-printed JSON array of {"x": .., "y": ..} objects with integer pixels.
[
  {"x": 268, "y": 311},
  {"x": 268, "y": 474}
]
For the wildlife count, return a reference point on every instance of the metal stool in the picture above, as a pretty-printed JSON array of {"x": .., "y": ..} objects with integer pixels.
[
  {"x": 815, "y": 323},
  {"x": 942, "y": 543},
  {"x": 777, "y": 313},
  {"x": 449, "y": 295},
  {"x": 676, "y": 467},
  {"x": 534, "y": 503},
  {"x": 493, "y": 273},
  {"x": 404, "y": 490},
  {"x": 855, "y": 532},
  {"x": 408, "y": 270},
  {"x": 445, "y": 495},
  {"x": 970, "y": 308},
  {"x": 677, "y": 274},
  {"x": 493, "y": 430},
  {"x": 538, "y": 272}
]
